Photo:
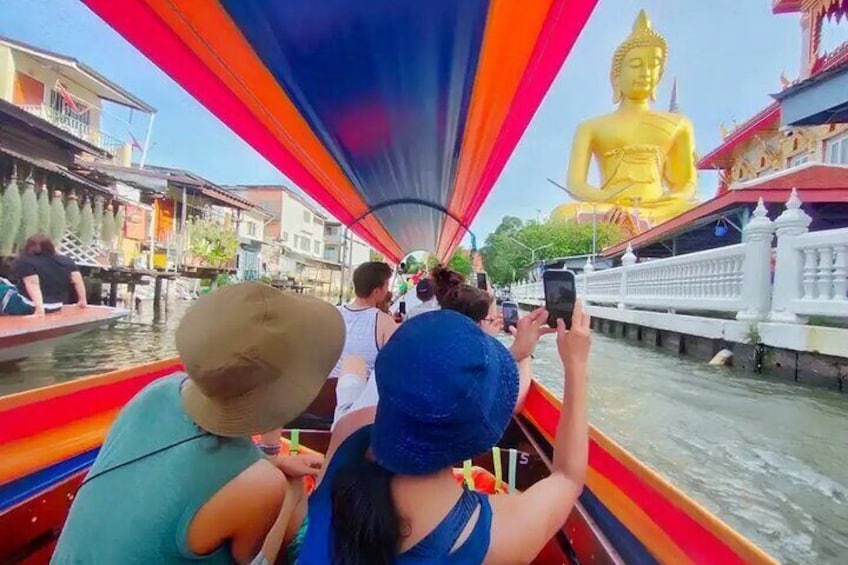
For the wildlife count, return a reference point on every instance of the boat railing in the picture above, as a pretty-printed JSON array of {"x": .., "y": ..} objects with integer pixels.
[{"x": 805, "y": 275}]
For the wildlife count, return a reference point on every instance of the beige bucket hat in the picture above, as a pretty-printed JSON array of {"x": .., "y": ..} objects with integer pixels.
[{"x": 256, "y": 357}]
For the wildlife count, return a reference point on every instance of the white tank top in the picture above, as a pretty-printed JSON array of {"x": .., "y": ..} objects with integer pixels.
[{"x": 360, "y": 337}]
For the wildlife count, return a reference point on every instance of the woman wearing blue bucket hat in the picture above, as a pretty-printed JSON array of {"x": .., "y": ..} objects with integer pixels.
[{"x": 447, "y": 393}]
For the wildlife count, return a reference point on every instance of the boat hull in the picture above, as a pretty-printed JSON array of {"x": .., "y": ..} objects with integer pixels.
[
  {"x": 627, "y": 514},
  {"x": 26, "y": 336}
]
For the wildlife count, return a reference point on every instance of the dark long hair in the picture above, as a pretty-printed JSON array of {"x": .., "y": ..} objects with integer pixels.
[
  {"x": 444, "y": 280},
  {"x": 365, "y": 523}
]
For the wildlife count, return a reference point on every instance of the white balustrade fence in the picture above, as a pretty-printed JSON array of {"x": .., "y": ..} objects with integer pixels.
[{"x": 810, "y": 276}]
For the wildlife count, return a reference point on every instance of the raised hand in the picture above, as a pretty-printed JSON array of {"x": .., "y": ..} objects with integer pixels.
[
  {"x": 574, "y": 344},
  {"x": 294, "y": 466},
  {"x": 527, "y": 333}
]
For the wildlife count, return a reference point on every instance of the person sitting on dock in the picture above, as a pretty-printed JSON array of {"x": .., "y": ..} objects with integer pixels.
[
  {"x": 367, "y": 327},
  {"x": 387, "y": 493},
  {"x": 47, "y": 277},
  {"x": 178, "y": 478}
]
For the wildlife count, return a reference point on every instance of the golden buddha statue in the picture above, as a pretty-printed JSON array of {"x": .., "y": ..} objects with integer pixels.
[{"x": 646, "y": 157}]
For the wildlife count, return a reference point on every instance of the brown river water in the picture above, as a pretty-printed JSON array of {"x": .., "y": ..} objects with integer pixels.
[{"x": 768, "y": 457}]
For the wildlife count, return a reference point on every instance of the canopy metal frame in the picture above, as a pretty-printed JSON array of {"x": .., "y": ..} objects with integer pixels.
[{"x": 347, "y": 262}]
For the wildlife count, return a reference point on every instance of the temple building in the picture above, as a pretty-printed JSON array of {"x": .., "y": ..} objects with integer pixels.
[{"x": 798, "y": 141}]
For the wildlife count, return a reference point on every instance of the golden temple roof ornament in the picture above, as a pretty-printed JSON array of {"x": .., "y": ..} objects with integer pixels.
[
  {"x": 643, "y": 35},
  {"x": 818, "y": 8}
]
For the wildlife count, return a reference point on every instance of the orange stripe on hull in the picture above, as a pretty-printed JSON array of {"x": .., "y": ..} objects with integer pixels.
[
  {"x": 61, "y": 389},
  {"x": 31, "y": 454},
  {"x": 635, "y": 520},
  {"x": 542, "y": 409}
]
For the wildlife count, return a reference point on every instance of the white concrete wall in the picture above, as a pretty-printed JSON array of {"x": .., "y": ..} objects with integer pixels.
[{"x": 810, "y": 278}]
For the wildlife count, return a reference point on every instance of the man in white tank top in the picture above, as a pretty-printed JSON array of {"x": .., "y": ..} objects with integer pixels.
[{"x": 367, "y": 328}]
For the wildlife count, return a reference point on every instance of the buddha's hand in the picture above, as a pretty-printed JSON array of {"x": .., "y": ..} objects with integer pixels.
[{"x": 303, "y": 465}]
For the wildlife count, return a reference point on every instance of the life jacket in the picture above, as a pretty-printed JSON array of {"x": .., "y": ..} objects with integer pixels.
[{"x": 12, "y": 302}]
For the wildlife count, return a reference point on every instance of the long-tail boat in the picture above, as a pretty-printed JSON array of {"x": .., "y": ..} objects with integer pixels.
[
  {"x": 397, "y": 116},
  {"x": 25, "y": 336}
]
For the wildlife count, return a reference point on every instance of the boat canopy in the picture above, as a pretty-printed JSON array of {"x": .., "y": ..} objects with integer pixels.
[{"x": 397, "y": 116}]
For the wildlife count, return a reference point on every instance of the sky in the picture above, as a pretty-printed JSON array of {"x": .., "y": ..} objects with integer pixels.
[{"x": 727, "y": 55}]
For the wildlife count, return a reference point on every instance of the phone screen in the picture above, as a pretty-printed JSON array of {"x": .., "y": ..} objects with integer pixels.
[
  {"x": 510, "y": 315},
  {"x": 481, "y": 281},
  {"x": 402, "y": 308},
  {"x": 560, "y": 295}
]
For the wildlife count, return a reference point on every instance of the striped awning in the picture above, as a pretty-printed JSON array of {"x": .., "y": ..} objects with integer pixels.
[{"x": 398, "y": 113}]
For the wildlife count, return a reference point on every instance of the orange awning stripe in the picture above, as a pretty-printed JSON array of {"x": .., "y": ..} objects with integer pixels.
[{"x": 511, "y": 34}]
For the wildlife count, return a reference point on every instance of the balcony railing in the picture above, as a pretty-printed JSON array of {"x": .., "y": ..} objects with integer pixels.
[{"x": 75, "y": 127}]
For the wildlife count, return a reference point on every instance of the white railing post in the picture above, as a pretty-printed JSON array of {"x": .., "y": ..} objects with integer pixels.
[
  {"x": 756, "y": 292},
  {"x": 588, "y": 269},
  {"x": 792, "y": 223},
  {"x": 628, "y": 260}
]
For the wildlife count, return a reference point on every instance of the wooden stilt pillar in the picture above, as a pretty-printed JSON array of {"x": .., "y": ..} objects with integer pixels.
[
  {"x": 157, "y": 292},
  {"x": 113, "y": 294}
]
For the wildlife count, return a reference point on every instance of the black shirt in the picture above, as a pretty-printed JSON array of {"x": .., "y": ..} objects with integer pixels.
[{"x": 54, "y": 274}]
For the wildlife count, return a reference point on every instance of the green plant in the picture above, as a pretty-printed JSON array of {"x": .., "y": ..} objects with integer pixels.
[
  {"x": 98, "y": 213},
  {"x": 44, "y": 210},
  {"x": 211, "y": 242},
  {"x": 460, "y": 262},
  {"x": 752, "y": 336},
  {"x": 72, "y": 213},
  {"x": 57, "y": 217},
  {"x": 107, "y": 229},
  {"x": 506, "y": 256},
  {"x": 10, "y": 221},
  {"x": 119, "y": 223},
  {"x": 29, "y": 213},
  {"x": 86, "y": 228},
  {"x": 223, "y": 279}
]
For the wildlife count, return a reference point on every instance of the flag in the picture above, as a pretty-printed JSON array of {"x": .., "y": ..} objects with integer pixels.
[
  {"x": 66, "y": 96},
  {"x": 135, "y": 144}
]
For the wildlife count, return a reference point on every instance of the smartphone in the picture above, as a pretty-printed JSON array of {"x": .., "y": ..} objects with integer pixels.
[
  {"x": 482, "y": 283},
  {"x": 510, "y": 315},
  {"x": 402, "y": 308},
  {"x": 560, "y": 296}
]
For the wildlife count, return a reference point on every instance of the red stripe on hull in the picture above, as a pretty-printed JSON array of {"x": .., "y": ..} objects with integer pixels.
[{"x": 29, "y": 419}]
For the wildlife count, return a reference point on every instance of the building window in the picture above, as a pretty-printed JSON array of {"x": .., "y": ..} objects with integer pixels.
[
  {"x": 307, "y": 217},
  {"x": 305, "y": 243},
  {"x": 316, "y": 247},
  {"x": 285, "y": 236},
  {"x": 296, "y": 241},
  {"x": 329, "y": 253},
  {"x": 837, "y": 151},
  {"x": 251, "y": 229},
  {"x": 799, "y": 160}
]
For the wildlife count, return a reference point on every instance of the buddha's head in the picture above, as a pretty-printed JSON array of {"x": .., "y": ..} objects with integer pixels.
[{"x": 639, "y": 62}]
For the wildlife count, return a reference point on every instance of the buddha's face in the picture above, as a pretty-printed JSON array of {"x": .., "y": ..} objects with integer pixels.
[{"x": 640, "y": 73}]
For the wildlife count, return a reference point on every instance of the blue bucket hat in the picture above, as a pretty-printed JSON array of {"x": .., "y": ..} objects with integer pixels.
[{"x": 447, "y": 392}]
